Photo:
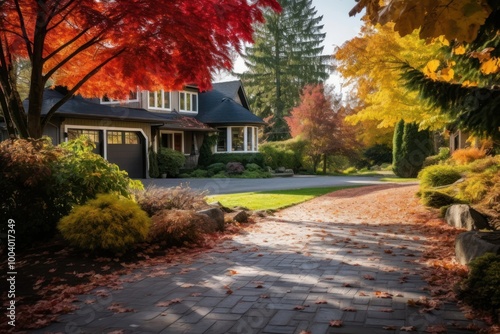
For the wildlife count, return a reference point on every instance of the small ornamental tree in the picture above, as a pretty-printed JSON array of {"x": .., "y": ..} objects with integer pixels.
[{"x": 318, "y": 119}]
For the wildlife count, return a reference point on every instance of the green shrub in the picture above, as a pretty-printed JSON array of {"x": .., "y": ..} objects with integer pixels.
[
  {"x": 247, "y": 174},
  {"x": 83, "y": 174},
  {"x": 350, "y": 170},
  {"x": 216, "y": 168},
  {"x": 170, "y": 161},
  {"x": 243, "y": 158},
  {"x": 480, "y": 289},
  {"x": 109, "y": 222},
  {"x": 438, "y": 175},
  {"x": 176, "y": 227},
  {"x": 437, "y": 199},
  {"x": 206, "y": 155},
  {"x": 199, "y": 173},
  {"x": 154, "y": 171},
  {"x": 253, "y": 168},
  {"x": 288, "y": 154},
  {"x": 154, "y": 199},
  {"x": 443, "y": 155}
]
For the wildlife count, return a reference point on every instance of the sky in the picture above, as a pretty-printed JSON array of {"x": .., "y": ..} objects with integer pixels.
[{"x": 338, "y": 26}]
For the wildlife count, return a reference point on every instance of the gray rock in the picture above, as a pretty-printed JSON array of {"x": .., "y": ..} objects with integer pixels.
[
  {"x": 472, "y": 244},
  {"x": 239, "y": 216},
  {"x": 463, "y": 216},
  {"x": 217, "y": 215}
]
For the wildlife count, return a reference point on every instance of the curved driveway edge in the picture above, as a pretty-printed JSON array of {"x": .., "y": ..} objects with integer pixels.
[{"x": 235, "y": 185}]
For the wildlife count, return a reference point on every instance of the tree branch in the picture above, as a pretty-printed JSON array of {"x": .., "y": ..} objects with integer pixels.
[
  {"x": 71, "y": 92},
  {"x": 23, "y": 29}
]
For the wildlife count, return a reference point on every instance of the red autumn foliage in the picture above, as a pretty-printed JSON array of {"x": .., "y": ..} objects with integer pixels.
[{"x": 98, "y": 47}]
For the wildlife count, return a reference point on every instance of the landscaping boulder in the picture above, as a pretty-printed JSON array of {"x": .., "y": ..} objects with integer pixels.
[
  {"x": 463, "y": 216},
  {"x": 220, "y": 206},
  {"x": 239, "y": 216},
  {"x": 217, "y": 215},
  {"x": 472, "y": 244}
]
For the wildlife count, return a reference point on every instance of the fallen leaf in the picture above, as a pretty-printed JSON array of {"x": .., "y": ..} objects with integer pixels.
[
  {"x": 305, "y": 332},
  {"x": 336, "y": 323},
  {"x": 232, "y": 272},
  {"x": 299, "y": 307},
  {"x": 408, "y": 328},
  {"x": 381, "y": 294},
  {"x": 195, "y": 294},
  {"x": 320, "y": 301},
  {"x": 264, "y": 296},
  {"x": 387, "y": 310},
  {"x": 390, "y": 328},
  {"x": 349, "y": 309},
  {"x": 369, "y": 277},
  {"x": 362, "y": 294},
  {"x": 118, "y": 308}
]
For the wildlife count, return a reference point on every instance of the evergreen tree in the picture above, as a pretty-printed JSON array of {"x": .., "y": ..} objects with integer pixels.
[
  {"x": 397, "y": 144},
  {"x": 415, "y": 147},
  {"x": 285, "y": 57}
]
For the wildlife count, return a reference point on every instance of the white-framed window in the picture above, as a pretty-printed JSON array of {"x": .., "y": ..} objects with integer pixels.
[
  {"x": 188, "y": 102},
  {"x": 133, "y": 96},
  {"x": 237, "y": 139},
  {"x": 159, "y": 100}
]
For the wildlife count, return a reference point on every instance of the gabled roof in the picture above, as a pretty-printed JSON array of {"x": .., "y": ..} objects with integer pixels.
[
  {"x": 220, "y": 106},
  {"x": 79, "y": 107}
]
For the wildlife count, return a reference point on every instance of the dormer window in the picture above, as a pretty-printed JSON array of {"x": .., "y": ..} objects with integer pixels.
[
  {"x": 159, "y": 100},
  {"x": 188, "y": 102},
  {"x": 133, "y": 96}
]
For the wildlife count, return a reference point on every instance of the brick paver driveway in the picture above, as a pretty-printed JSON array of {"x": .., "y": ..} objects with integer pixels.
[{"x": 294, "y": 272}]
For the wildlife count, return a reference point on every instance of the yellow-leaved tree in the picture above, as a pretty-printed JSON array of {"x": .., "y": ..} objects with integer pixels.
[{"x": 372, "y": 64}]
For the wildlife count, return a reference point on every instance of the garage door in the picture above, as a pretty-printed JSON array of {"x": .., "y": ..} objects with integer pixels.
[{"x": 126, "y": 149}]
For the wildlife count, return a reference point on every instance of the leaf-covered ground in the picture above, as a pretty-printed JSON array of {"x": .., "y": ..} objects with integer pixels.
[{"x": 50, "y": 276}]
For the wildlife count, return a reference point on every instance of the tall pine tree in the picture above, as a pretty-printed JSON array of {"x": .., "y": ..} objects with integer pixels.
[{"x": 286, "y": 56}]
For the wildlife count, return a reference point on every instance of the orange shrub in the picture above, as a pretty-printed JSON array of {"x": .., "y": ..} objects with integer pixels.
[{"x": 467, "y": 155}]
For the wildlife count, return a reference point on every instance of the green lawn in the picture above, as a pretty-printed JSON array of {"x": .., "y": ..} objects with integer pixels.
[{"x": 272, "y": 200}]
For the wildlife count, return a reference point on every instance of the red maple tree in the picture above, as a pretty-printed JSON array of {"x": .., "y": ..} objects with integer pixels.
[
  {"x": 319, "y": 119},
  {"x": 111, "y": 47}
]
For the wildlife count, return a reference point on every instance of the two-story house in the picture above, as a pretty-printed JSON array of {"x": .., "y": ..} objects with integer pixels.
[{"x": 125, "y": 131}]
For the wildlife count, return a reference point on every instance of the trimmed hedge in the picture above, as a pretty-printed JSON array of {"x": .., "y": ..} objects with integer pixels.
[{"x": 243, "y": 158}]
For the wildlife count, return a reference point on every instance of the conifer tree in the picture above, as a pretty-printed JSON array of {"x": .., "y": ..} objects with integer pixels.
[
  {"x": 286, "y": 56},
  {"x": 396, "y": 147},
  {"x": 411, "y": 150}
]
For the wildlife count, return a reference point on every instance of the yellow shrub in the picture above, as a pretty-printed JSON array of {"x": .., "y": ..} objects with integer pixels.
[
  {"x": 108, "y": 222},
  {"x": 467, "y": 155}
]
